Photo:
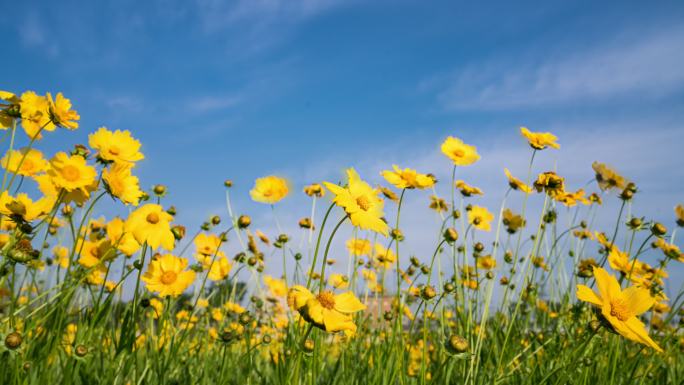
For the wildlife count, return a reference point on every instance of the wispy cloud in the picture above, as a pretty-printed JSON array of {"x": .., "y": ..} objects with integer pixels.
[
  {"x": 646, "y": 66},
  {"x": 33, "y": 35},
  {"x": 213, "y": 103}
]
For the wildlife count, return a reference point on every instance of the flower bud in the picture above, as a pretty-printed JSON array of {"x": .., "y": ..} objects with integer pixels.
[
  {"x": 81, "y": 350},
  {"x": 658, "y": 229},
  {"x": 159, "y": 190},
  {"x": 457, "y": 344},
  {"x": 428, "y": 293},
  {"x": 308, "y": 346},
  {"x": 244, "y": 221},
  {"x": 228, "y": 183},
  {"x": 172, "y": 211},
  {"x": 450, "y": 235},
  {"x": 178, "y": 232},
  {"x": 13, "y": 341},
  {"x": 215, "y": 220},
  {"x": 449, "y": 287}
]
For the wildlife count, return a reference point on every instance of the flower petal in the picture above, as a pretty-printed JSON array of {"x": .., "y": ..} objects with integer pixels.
[{"x": 348, "y": 303}]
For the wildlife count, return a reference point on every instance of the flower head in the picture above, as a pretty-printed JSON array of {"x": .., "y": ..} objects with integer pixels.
[
  {"x": 270, "y": 189},
  {"x": 480, "y": 218},
  {"x": 25, "y": 162},
  {"x": 122, "y": 184},
  {"x": 166, "y": 275},
  {"x": 539, "y": 140},
  {"x": 117, "y": 146},
  {"x": 517, "y": 184},
  {"x": 358, "y": 247},
  {"x": 608, "y": 178},
  {"x": 60, "y": 112},
  {"x": 71, "y": 172},
  {"x": 460, "y": 153},
  {"x": 361, "y": 202},
  {"x": 327, "y": 311},
  {"x": 151, "y": 224},
  {"x": 467, "y": 190},
  {"x": 407, "y": 178},
  {"x": 620, "y": 307}
]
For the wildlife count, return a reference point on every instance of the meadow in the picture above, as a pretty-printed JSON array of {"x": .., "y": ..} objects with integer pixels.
[{"x": 539, "y": 296}]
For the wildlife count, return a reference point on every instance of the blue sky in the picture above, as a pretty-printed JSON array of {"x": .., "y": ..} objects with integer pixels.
[{"x": 306, "y": 88}]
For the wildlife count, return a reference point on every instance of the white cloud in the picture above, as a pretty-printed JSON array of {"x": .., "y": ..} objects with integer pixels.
[{"x": 646, "y": 66}]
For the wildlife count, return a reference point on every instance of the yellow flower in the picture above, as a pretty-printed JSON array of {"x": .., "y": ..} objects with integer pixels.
[
  {"x": 460, "y": 153},
  {"x": 71, "y": 173},
  {"x": 35, "y": 114},
  {"x": 327, "y": 311},
  {"x": 61, "y": 114},
  {"x": 314, "y": 189},
  {"x": 679, "y": 213},
  {"x": 219, "y": 269},
  {"x": 480, "y": 218},
  {"x": 234, "y": 308},
  {"x": 552, "y": 183},
  {"x": 122, "y": 184},
  {"x": 8, "y": 112},
  {"x": 157, "y": 307},
  {"x": 270, "y": 189},
  {"x": 151, "y": 224},
  {"x": 338, "y": 281},
  {"x": 61, "y": 255},
  {"x": 26, "y": 162},
  {"x": 24, "y": 207},
  {"x": 361, "y": 202},
  {"x": 121, "y": 237},
  {"x": 517, "y": 184},
  {"x": 165, "y": 275},
  {"x": 438, "y": 204},
  {"x": 539, "y": 140},
  {"x": 620, "y": 307},
  {"x": 608, "y": 178},
  {"x": 118, "y": 146},
  {"x": 407, "y": 178},
  {"x": 467, "y": 190},
  {"x": 94, "y": 253},
  {"x": 47, "y": 187},
  {"x": 570, "y": 199},
  {"x": 486, "y": 262},
  {"x": 207, "y": 245},
  {"x": 619, "y": 261},
  {"x": 512, "y": 221},
  {"x": 358, "y": 247},
  {"x": 277, "y": 287},
  {"x": 385, "y": 257}
]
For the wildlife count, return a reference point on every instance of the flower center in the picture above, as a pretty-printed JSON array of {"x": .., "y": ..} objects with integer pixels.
[
  {"x": 619, "y": 309},
  {"x": 114, "y": 150},
  {"x": 168, "y": 277},
  {"x": 459, "y": 153},
  {"x": 27, "y": 165},
  {"x": 326, "y": 299},
  {"x": 363, "y": 202},
  {"x": 70, "y": 173},
  {"x": 153, "y": 218}
]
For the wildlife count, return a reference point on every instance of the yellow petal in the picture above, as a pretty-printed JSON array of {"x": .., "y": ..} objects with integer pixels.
[
  {"x": 348, "y": 303},
  {"x": 637, "y": 327},
  {"x": 638, "y": 299},
  {"x": 335, "y": 321},
  {"x": 607, "y": 284},
  {"x": 584, "y": 293}
]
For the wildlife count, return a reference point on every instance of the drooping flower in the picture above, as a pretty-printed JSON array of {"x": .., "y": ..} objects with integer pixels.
[
  {"x": 270, "y": 189},
  {"x": 25, "y": 162},
  {"x": 407, "y": 178},
  {"x": 539, "y": 140},
  {"x": 608, "y": 178},
  {"x": 480, "y": 218},
  {"x": 71, "y": 172},
  {"x": 438, "y": 204},
  {"x": 460, "y": 153},
  {"x": 327, "y": 311},
  {"x": 166, "y": 275},
  {"x": 117, "y": 146},
  {"x": 24, "y": 207},
  {"x": 122, "y": 184},
  {"x": 620, "y": 307},
  {"x": 151, "y": 224},
  {"x": 517, "y": 184},
  {"x": 361, "y": 202},
  {"x": 467, "y": 190},
  {"x": 60, "y": 112}
]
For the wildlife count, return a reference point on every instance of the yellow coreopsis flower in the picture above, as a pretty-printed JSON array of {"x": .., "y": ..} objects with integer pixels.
[
  {"x": 35, "y": 114},
  {"x": 277, "y": 287},
  {"x": 408, "y": 178},
  {"x": 151, "y": 224},
  {"x": 384, "y": 256},
  {"x": 24, "y": 207},
  {"x": 620, "y": 307},
  {"x": 166, "y": 275},
  {"x": 361, "y": 202},
  {"x": 338, "y": 281},
  {"x": 61, "y": 255},
  {"x": 326, "y": 311},
  {"x": 207, "y": 245},
  {"x": 117, "y": 146},
  {"x": 460, "y": 153},
  {"x": 551, "y": 183},
  {"x": 539, "y": 140},
  {"x": 94, "y": 253},
  {"x": 487, "y": 262},
  {"x": 122, "y": 184},
  {"x": 480, "y": 218},
  {"x": 314, "y": 189},
  {"x": 270, "y": 189},
  {"x": 679, "y": 213},
  {"x": 26, "y": 162},
  {"x": 608, "y": 178},
  {"x": 358, "y": 247},
  {"x": 121, "y": 237},
  {"x": 619, "y": 261},
  {"x": 71, "y": 173},
  {"x": 219, "y": 269},
  {"x": 517, "y": 184},
  {"x": 466, "y": 189},
  {"x": 570, "y": 199},
  {"x": 60, "y": 112}
]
